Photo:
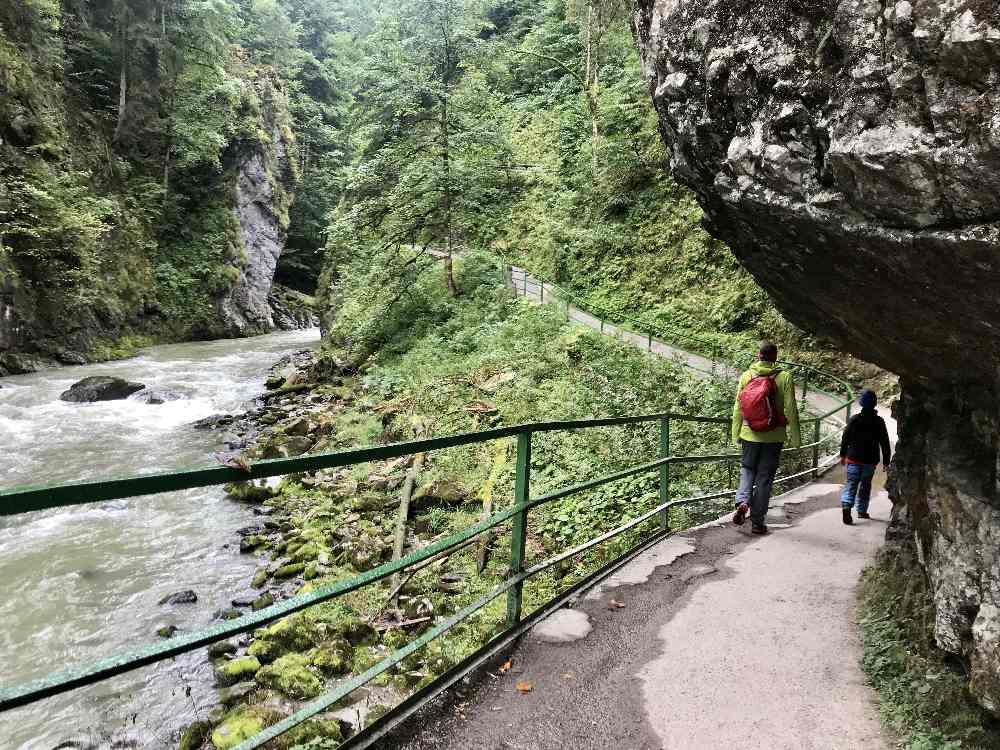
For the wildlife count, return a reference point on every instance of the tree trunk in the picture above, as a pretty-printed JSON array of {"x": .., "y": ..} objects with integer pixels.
[
  {"x": 449, "y": 268},
  {"x": 123, "y": 77},
  {"x": 590, "y": 86},
  {"x": 404, "y": 512},
  {"x": 446, "y": 76}
]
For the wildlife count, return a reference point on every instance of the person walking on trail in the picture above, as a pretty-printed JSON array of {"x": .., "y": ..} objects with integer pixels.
[
  {"x": 864, "y": 435},
  {"x": 765, "y": 417}
]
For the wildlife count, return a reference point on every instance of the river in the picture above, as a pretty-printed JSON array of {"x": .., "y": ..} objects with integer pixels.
[{"x": 83, "y": 583}]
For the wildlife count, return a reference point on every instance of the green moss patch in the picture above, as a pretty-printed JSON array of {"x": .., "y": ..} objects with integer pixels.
[{"x": 291, "y": 675}]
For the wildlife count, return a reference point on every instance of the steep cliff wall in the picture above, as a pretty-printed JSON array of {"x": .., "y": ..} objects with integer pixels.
[
  {"x": 849, "y": 154},
  {"x": 264, "y": 180}
]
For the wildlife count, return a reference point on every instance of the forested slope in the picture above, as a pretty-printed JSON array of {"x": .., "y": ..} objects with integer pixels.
[{"x": 150, "y": 155}]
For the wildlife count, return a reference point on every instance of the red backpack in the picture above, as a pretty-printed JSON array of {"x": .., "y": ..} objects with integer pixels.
[{"x": 759, "y": 403}]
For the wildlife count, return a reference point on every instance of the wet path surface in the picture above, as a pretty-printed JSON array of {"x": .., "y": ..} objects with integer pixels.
[
  {"x": 81, "y": 583},
  {"x": 725, "y": 641}
]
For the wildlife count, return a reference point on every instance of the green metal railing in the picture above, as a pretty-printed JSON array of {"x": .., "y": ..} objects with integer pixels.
[{"x": 17, "y": 501}]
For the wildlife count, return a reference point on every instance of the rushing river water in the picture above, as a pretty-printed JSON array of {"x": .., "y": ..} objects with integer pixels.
[{"x": 82, "y": 583}]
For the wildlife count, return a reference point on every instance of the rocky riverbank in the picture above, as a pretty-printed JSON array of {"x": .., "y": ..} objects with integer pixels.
[{"x": 315, "y": 529}]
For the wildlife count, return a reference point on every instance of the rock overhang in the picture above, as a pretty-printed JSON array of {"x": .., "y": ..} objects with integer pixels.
[{"x": 849, "y": 153}]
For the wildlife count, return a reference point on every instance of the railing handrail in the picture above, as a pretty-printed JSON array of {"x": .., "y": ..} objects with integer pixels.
[
  {"x": 22, "y": 500},
  {"x": 29, "y": 499}
]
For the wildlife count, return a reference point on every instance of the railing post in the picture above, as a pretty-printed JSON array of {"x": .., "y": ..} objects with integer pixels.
[
  {"x": 805, "y": 386},
  {"x": 525, "y": 284},
  {"x": 567, "y": 310},
  {"x": 602, "y": 325},
  {"x": 665, "y": 474},
  {"x": 650, "y": 341},
  {"x": 519, "y": 533},
  {"x": 816, "y": 450},
  {"x": 542, "y": 296}
]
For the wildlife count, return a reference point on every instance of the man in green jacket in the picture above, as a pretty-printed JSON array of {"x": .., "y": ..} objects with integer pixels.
[{"x": 762, "y": 450}]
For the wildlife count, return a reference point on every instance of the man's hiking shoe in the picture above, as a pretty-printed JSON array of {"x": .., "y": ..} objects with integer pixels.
[
  {"x": 864, "y": 515},
  {"x": 847, "y": 516},
  {"x": 742, "y": 510},
  {"x": 761, "y": 529}
]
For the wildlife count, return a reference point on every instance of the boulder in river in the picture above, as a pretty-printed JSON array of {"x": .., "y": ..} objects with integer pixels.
[
  {"x": 155, "y": 396},
  {"x": 101, "y": 388},
  {"x": 180, "y": 597},
  {"x": 214, "y": 421}
]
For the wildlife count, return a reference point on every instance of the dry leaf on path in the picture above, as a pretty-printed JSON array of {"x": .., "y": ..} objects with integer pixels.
[
  {"x": 615, "y": 604},
  {"x": 525, "y": 687},
  {"x": 505, "y": 667}
]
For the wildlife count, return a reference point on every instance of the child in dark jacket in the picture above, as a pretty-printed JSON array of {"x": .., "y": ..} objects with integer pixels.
[{"x": 864, "y": 435}]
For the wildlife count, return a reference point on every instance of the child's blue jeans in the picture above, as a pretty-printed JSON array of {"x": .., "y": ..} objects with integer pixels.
[{"x": 859, "y": 485}]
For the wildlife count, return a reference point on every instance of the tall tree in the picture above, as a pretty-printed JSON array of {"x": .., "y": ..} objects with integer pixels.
[{"x": 436, "y": 149}]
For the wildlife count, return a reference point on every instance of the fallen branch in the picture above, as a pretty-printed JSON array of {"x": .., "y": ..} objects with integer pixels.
[{"x": 384, "y": 626}]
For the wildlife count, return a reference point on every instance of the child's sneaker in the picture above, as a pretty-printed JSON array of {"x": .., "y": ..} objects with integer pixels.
[{"x": 742, "y": 511}]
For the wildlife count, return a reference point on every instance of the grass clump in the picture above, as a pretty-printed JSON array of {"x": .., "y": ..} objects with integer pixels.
[{"x": 925, "y": 700}]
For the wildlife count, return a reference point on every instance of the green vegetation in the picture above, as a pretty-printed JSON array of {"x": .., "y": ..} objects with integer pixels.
[
  {"x": 435, "y": 363},
  {"x": 124, "y": 125},
  {"x": 923, "y": 693}
]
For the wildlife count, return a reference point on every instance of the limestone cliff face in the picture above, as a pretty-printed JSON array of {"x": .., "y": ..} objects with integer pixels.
[
  {"x": 849, "y": 153},
  {"x": 264, "y": 181}
]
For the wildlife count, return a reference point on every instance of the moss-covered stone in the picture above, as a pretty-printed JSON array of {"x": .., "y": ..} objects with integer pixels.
[
  {"x": 358, "y": 632},
  {"x": 290, "y": 674},
  {"x": 289, "y": 571},
  {"x": 259, "y": 578},
  {"x": 295, "y": 633},
  {"x": 333, "y": 658},
  {"x": 315, "y": 729},
  {"x": 242, "y": 724},
  {"x": 311, "y": 571},
  {"x": 194, "y": 736},
  {"x": 307, "y": 552},
  {"x": 221, "y": 649},
  {"x": 266, "y": 651},
  {"x": 262, "y": 602},
  {"x": 248, "y": 492},
  {"x": 237, "y": 670},
  {"x": 376, "y": 712}
]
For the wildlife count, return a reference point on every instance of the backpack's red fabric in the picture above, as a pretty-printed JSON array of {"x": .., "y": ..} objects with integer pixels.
[{"x": 759, "y": 403}]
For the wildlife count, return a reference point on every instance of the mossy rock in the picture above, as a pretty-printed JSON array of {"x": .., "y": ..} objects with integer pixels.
[
  {"x": 221, "y": 649},
  {"x": 333, "y": 658},
  {"x": 248, "y": 492},
  {"x": 285, "y": 446},
  {"x": 237, "y": 670},
  {"x": 290, "y": 674},
  {"x": 311, "y": 571},
  {"x": 307, "y": 552},
  {"x": 194, "y": 736},
  {"x": 241, "y": 724},
  {"x": 289, "y": 571},
  {"x": 259, "y": 578},
  {"x": 295, "y": 633},
  {"x": 262, "y": 602},
  {"x": 265, "y": 650},
  {"x": 313, "y": 729},
  {"x": 358, "y": 632}
]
